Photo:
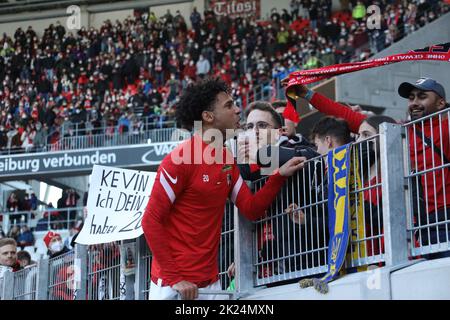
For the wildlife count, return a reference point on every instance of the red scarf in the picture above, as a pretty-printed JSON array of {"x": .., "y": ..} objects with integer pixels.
[{"x": 439, "y": 52}]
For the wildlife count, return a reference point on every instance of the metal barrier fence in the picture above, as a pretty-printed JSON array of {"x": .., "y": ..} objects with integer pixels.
[
  {"x": 283, "y": 243},
  {"x": 226, "y": 246},
  {"x": 77, "y": 138},
  {"x": 144, "y": 265},
  {"x": 2, "y": 287},
  {"x": 292, "y": 240},
  {"x": 104, "y": 274},
  {"x": 139, "y": 124},
  {"x": 298, "y": 239},
  {"x": 42, "y": 220},
  {"x": 61, "y": 279},
  {"x": 24, "y": 286},
  {"x": 111, "y": 271},
  {"x": 366, "y": 239},
  {"x": 262, "y": 91},
  {"x": 427, "y": 141},
  {"x": 113, "y": 139}
]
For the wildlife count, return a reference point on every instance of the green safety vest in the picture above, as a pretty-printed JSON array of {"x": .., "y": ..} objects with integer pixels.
[
  {"x": 232, "y": 286},
  {"x": 313, "y": 62},
  {"x": 359, "y": 11}
]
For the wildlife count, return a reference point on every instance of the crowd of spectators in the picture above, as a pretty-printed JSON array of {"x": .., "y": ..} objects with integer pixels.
[
  {"x": 18, "y": 203},
  {"x": 64, "y": 83},
  {"x": 28, "y": 215}
]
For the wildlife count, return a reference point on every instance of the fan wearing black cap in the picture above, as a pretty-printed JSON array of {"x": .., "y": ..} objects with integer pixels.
[
  {"x": 426, "y": 96},
  {"x": 429, "y": 147}
]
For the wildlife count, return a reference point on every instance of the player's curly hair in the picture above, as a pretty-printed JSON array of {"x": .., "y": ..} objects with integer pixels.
[{"x": 198, "y": 97}]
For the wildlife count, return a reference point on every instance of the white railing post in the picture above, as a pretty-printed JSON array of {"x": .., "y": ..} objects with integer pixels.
[
  {"x": 243, "y": 254},
  {"x": 81, "y": 271},
  {"x": 393, "y": 194},
  {"x": 7, "y": 292},
  {"x": 42, "y": 282}
]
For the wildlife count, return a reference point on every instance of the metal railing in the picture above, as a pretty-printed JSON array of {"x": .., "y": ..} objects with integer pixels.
[
  {"x": 111, "y": 271},
  {"x": 289, "y": 245},
  {"x": 298, "y": 246},
  {"x": 113, "y": 139},
  {"x": 25, "y": 283},
  {"x": 292, "y": 240},
  {"x": 427, "y": 174},
  {"x": 139, "y": 124},
  {"x": 42, "y": 220},
  {"x": 226, "y": 246},
  {"x": 143, "y": 271},
  {"x": 80, "y": 137},
  {"x": 61, "y": 277},
  {"x": 263, "y": 91},
  {"x": 104, "y": 279},
  {"x": 366, "y": 245}
]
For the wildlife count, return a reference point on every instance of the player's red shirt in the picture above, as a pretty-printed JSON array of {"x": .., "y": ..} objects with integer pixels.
[{"x": 183, "y": 219}]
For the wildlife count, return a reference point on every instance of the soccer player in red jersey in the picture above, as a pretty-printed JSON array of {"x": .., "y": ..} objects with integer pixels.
[{"x": 183, "y": 219}]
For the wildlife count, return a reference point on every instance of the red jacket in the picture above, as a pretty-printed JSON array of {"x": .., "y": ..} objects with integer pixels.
[
  {"x": 183, "y": 219},
  {"x": 434, "y": 183},
  {"x": 425, "y": 160}
]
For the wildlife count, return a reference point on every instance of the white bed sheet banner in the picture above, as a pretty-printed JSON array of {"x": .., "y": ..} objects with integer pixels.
[{"x": 116, "y": 204}]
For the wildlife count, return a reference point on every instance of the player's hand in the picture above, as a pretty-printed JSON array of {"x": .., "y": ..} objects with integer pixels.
[
  {"x": 291, "y": 166},
  {"x": 299, "y": 90},
  {"x": 188, "y": 290}
]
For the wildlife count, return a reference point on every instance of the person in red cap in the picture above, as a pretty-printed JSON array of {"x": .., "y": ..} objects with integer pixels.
[
  {"x": 54, "y": 244},
  {"x": 63, "y": 269}
]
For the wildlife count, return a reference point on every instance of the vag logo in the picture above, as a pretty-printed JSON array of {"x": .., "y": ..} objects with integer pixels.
[{"x": 154, "y": 156}]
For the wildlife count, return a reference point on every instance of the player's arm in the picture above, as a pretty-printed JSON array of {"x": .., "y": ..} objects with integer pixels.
[
  {"x": 253, "y": 206},
  {"x": 330, "y": 107}
]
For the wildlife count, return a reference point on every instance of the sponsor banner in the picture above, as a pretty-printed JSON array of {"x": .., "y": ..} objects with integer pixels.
[
  {"x": 83, "y": 160},
  {"x": 116, "y": 204},
  {"x": 235, "y": 8}
]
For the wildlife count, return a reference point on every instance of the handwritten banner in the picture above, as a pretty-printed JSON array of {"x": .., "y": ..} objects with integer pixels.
[{"x": 116, "y": 204}]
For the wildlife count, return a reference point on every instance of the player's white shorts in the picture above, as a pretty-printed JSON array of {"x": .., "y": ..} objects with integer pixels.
[{"x": 167, "y": 293}]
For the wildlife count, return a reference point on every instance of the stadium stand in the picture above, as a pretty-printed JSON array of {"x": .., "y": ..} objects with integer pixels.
[{"x": 127, "y": 75}]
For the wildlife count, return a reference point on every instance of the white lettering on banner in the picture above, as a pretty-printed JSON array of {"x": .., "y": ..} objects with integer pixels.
[
  {"x": 236, "y": 8},
  {"x": 65, "y": 161},
  {"x": 79, "y": 160},
  {"x": 9, "y": 164},
  {"x": 116, "y": 204},
  {"x": 158, "y": 150}
]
